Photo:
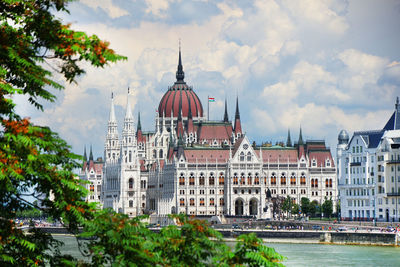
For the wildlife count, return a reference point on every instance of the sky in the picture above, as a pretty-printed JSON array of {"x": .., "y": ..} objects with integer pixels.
[{"x": 324, "y": 65}]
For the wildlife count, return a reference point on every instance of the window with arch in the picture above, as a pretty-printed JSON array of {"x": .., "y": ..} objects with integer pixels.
[
  {"x": 130, "y": 156},
  {"x": 182, "y": 179},
  {"x": 130, "y": 183},
  {"x": 160, "y": 154},
  {"x": 327, "y": 183},
  {"x": 191, "y": 179},
  {"x": 191, "y": 202},
  {"x": 242, "y": 179},
  {"x": 293, "y": 179},
  {"x": 330, "y": 182},
  {"x": 256, "y": 179},
  {"x": 182, "y": 202},
  {"x": 283, "y": 179},
  {"x": 241, "y": 157},
  {"x": 154, "y": 154},
  {"x": 273, "y": 179},
  {"x": 201, "y": 201},
  {"x": 130, "y": 203},
  {"x": 316, "y": 182},
  {"x": 221, "y": 202},
  {"x": 249, "y": 179},
  {"x": 221, "y": 179},
  {"x": 303, "y": 179},
  {"x": 212, "y": 202},
  {"x": 248, "y": 156},
  {"x": 235, "y": 179},
  {"x": 211, "y": 179},
  {"x": 312, "y": 183},
  {"x": 201, "y": 179}
]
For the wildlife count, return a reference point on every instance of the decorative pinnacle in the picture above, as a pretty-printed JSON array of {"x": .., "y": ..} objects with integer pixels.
[
  {"x": 237, "y": 114},
  {"x": 180, "y": 75},
  {"x": 226, "y": 119}
]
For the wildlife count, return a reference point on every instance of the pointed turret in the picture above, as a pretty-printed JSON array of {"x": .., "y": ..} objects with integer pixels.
[
  {"x": 238, "y": 126},
  {"x": 128, "y": 114},
  {"x": 301, "y": 145},
  {"x": 84, "y": 154},
  {"x": 180, "y": 75},
  {"x": 289, "y": 140},
  {"x": 397, "y": 115},
  {"x": 226, "y": 118},
  {"x": 139, "y": 133},
  {"x": 91, "y": 154},
  {"x": 112, "y": 112},
  {"x": 301, "y": 138},
  {"x": 112, "y": 148}
]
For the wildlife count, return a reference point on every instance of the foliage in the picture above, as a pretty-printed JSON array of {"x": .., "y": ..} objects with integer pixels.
[
  {"x": 314, "y": 207},
  {"x": 295, "y": 209},
  {"x": 287, "y": 204},
  {"x": 121, "y": 241},
  {"x": 327, "y": 207},
  {"x": 33, "y": 157},
  {"x": 305, "y": 205}
]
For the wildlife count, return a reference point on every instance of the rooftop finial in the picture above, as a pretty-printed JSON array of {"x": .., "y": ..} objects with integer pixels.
[
  {"x": 289, "y": 140},
  {"x": 226, "y": 119},
  {"x": 180, "y": 75},
  {"x": 301, "y": 142}
]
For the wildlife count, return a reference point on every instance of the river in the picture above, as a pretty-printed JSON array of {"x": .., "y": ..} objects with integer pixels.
[{"x": 308, "y": 254}]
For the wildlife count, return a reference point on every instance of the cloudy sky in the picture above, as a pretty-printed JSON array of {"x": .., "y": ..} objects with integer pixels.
[{"x": 325, "y": 65}]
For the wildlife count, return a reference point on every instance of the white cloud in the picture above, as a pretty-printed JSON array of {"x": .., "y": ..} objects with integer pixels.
[
  {"x": 112, "y": 10},
  {"x": 157, "y": 7}
]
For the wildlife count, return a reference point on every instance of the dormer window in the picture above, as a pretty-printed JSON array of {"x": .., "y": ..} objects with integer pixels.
[
  {"x": 328, "y": 163},
  {"x": 314, "y": 163},
  {"x": 249, "y": 156},
  {"x": 241, "y": 158}
]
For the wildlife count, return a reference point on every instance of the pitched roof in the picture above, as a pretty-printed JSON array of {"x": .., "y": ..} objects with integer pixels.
[
  {"x": 275, "y": 155},
  {"x": 320, "y": 157},
  {"x": 207, "y": 154},
  {"x": 214, "y": 131}
]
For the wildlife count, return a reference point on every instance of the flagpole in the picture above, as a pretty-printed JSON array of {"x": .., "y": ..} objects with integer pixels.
[{"x": 208, "y": 107}]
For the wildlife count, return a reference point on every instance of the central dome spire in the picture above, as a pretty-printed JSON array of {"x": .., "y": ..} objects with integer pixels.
[{"x": 180, "y": 75}]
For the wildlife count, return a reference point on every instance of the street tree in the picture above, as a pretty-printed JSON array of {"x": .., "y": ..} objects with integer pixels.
[
  {"x": 327, "y": 207},
  {"x": 305, "y": 205}
]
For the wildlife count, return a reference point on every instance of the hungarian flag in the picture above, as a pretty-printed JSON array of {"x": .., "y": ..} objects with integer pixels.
[{"x": 211, "y": 99}]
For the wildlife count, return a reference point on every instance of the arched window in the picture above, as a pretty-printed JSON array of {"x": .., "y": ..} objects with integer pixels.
[
  {"x": 130, "y": 203},
  {"x": 221, "y": 179},
  {"x": 154, "y": 154},
  {"x": 182, "y": 202},
  {"x": 248, "y": 156},
  {"x": 191, "y": 179},
  {"x": 326, "y": 183},
  {"x": 130, "y": 183},
  {"x": 211, "y": 179},
  {"x": 302, "y": 179},
  {"x": 221, "y": 202},
  {"x": 273, "y": 179},
  {"x": 212, "y": 202},
  {"x": 130, "y": 156},
  {"x": 160, "y": 154},
  {"x": 191, "y": 202},
  {"x": 182, "y": 179},
  {"x": 256, "y": 179},
  {"x": 330, "y": 182},
  {"x": 201, "y": 201},
  {"x": 241, "y": 156},
  {"x": 249, "y": 179},
  {"x": 235, "y": 179},
  {"x": 312, "y": 183},
  {"x": 293, "y": 179},
  {"x": 283, "y": 179},
  {"x": 201, "y": 179},
  {"x": 316, "y": 182},
  {"x": 242, "y": 179}
]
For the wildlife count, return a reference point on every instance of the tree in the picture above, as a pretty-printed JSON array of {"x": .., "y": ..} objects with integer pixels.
[
  {"x": 295, "y": 209},
  {"x": 313, "y": 208},
  {"x": 327, "y": 207},
  {"x": 287, "y": 205},
  {"x": 33, "y": 156},
  {"x": 305, "y": 205}
]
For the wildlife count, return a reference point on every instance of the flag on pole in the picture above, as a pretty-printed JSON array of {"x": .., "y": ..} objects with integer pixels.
[{"x": 211, "y": 99}]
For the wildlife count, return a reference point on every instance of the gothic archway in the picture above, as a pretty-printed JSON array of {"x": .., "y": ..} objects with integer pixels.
[
  {"x": 239, "y": 207},
  {"x": 253, "y": 207}
]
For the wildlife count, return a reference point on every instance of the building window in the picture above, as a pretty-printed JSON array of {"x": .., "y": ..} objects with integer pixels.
[
  {"x": 302, "y": 179},
  {"x": 242, "y": 179},
  {"x": 92, "y": 187},
  {"x": 201, "y": 179},
  {"x": 221, "y": 179},
  {"x": 293, "y": 179},
  {"x": 283, "y": 179},
  {"x": 235, "y": 179},
  {"x": 182, "y": 202},
  {"x": 256, "y": 179},
  {"x": 191, "y": 179},
  {"x": 130, "y": 203},
  {"x": 182, "y": 179},
  {"x": 201, "y": 201},
  {"x": 211, "y": 179},
  {"x": 221, "y": 202},
  {"x": 241, "y": 156},
  {"x": 130, "y": 183},
  {"x": 192, "y": 202},
  {"x": 249, "y": 156},
  {"x": 212, "y": 202},
  {"x": 249, "y": 182},
  {"x": 273, "y": 179}
]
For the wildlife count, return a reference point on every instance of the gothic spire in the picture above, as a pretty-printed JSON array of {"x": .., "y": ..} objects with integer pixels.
[
  {"x": 128, "y": 114},
  {"x": 91, "y": 154},
  {"x": 180, "y": 75},
  {"x": 139, "y": 124},
  {"x": 237, "y": 114},
  {"x": 301, "y": 138},
  {"x": 226, "y": 119},
  {"x": 238, "y": 125},
  {"x": 289, "y": 140},
  {"x": 112, "y": 112},
  {"x": 84, "y": 154}
]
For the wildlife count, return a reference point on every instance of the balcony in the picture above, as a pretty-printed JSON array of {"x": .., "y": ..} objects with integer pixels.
[
  {"x": 393, "y": 161},
  {"x": 355, "y": 164},
  {"x": 393, "y": 194}
]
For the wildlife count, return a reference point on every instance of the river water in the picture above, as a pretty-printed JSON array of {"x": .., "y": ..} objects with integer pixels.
[{"x": 308, "y": 254}]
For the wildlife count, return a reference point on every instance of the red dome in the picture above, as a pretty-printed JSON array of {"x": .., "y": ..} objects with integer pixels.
[{"x": 180, "y": 92}]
